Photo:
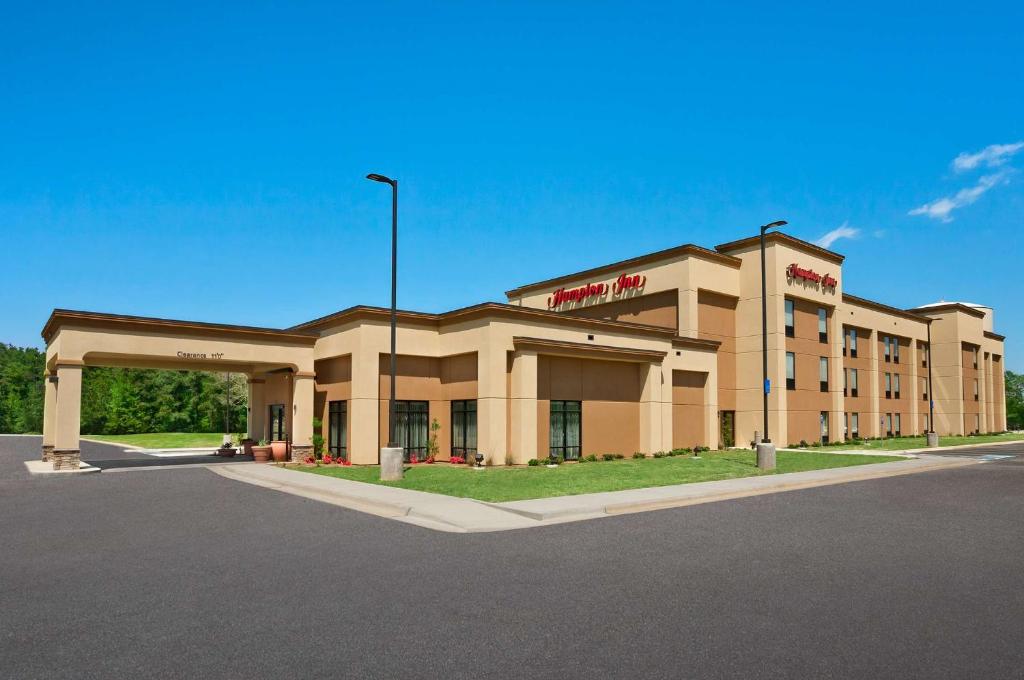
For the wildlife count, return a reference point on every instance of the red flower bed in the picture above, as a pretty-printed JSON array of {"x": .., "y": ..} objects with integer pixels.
[{"x": 457, "y": 460}]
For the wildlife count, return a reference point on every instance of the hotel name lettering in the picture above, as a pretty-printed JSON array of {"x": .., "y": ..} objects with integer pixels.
[{"x": 201, "y": 355}]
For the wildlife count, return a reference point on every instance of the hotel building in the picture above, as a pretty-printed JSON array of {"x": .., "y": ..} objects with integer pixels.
[{"x": 648, "y": 354}]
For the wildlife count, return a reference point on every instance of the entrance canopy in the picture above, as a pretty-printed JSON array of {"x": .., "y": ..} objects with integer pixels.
[{"x": 75, "y": 339}]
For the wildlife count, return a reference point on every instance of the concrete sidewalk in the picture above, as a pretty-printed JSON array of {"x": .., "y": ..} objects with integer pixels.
[{"x": 464, "y": 515}]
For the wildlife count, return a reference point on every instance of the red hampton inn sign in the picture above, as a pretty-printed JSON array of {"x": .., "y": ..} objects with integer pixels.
[
  {"x": 591, "y": 290},
  {"x": 794, "y": 272}
]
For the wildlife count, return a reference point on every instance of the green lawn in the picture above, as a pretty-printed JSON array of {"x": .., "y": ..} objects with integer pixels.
[
  {"x": 901, "y": 443},
  {"x": 163, "y": 440},
  {"x": 520, "y": 483}
]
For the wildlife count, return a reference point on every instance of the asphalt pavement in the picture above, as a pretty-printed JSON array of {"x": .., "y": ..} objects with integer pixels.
[{"x": 183, "y": 573}]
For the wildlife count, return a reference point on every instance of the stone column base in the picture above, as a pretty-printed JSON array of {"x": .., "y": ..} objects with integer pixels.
[
  {"x": 66, "y": 459},
  {"x": 47, "y": 452},
  {"x": 300, "y": 453}
]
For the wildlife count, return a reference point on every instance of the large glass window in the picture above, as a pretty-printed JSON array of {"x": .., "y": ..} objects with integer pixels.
[
  {"x": 887, "y": 349},
  {"x": 888, "y": 385},
  {"x": 464, "y": 428},
  {"x": 790, "y": 330},
  {"x": 896, "y": 350},
  {"x": 853, "y": 343},
  {"x": 823, "y": 418},
  {"x": 411, "y": 427},
  {"x": 896, "y": 424},
  {"x": 823, "y": 373},
  {"x": 566, "y": 429},
  {"x": 790, "y": 371},
  {"x": 855, "y": 425},
  {"x": 337, "y": 429},
  {"x": 822, "y": 324},
  {"x": 896, "y": 385},
  {"x": 853, "y": 382}
]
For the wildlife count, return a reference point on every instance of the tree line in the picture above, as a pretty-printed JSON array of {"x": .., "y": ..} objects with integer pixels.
[
  {"x": 122, "y": 400},
  {"x": 132, "y": 401}
]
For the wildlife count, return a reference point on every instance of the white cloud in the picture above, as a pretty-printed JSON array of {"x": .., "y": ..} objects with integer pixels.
[
  {"x": 940, "y": 209},
  {"x": 843, "y": 231},
  {"x": 991, "y": 156}
]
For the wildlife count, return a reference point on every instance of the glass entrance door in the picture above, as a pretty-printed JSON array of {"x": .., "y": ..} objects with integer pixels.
[
  {"x": 275, "y": 420},
  {"x": 727, "y": 428}
]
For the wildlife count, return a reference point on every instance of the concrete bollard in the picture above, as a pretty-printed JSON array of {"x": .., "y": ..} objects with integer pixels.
[
  {"x": 765, "y": 456},
  {"x": 391, "y": 464},
  {"x": 933, "y": 439}
]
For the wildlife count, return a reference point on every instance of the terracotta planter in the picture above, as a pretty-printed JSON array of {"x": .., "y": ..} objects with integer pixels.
[
  {"x": 261, "y": 454},
  {"x": 280, "y": 451},
  {"x": 247, "y": 445},
  {"x": 227, "y": 453}
]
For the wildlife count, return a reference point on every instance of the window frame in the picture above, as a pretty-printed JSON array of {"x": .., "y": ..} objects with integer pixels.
[
  {"x": 823, "y": 365},
  {"x": 337, "y": 424},
  {"x": 822, "y": 321},
  {"x": 790, "y": 364},
  {"x": 461, "y": 406},
  {"x": 563, "y": 450},
  {"x": 789, "y": 317}
]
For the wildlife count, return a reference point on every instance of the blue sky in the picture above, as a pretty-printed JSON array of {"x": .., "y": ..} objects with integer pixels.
[{"x": 207, "y": 163}]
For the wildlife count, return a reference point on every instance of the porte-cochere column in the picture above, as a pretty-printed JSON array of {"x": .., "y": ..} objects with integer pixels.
[
  {"x": 49, "y": 414},
  {"x": 66, "y": 454},
  {"x": 302, "y": 418}
]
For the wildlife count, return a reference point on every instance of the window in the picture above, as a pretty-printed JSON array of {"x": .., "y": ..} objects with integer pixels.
[
  {"x": 885, "y": 341},
  {"x": 337, "y": 429},
  {"x": 888, "y": 385},
  {"x": 977, "y": 423},
  {"x": 822, "y": 324},
  {"x": 855, "y": 425},
  {"x": 276, "y": 421},
  {"x": 853, "y": 382},
  {"x": 464, "y": 428},
  {"x": 896, "y": 385},
  {"x": 895, "y": 350},
  {"x": 846, "y": 382},
  {"x": 896, "y": 424},
  {"x": 823, "y": 373},
  {"x": 924, "y": 355},
  {"x": 411, "y": 428},
  {"x": 853, "y": 343},
  {"x": 975, "y": 389},
  {"x": 926, "y": 423},
  {"x": 790, "y": 330},
  {"x": 823, "y": 419},
  {"x": 888, "y": 424},
  {"x": 790, "y": 371},
  {"x": 566, "y": 429},
  {"x": 846, "y": 426},
  {"x": 924, "y": 389},
  {"x": 974, "y": 352}
]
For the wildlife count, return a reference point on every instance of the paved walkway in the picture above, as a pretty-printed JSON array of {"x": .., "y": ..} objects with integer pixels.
[{"x": 464, "y": 515}]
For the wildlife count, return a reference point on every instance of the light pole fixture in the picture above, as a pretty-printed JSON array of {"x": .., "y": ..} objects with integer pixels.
[
  {"x": 392, "y": 439},
  {"x": 765, "y": 453}
]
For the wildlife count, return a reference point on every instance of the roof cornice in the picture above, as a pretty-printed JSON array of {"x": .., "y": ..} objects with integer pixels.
[
  {"x": 102, "y": 320},
  {"x": 585, "y": 350},
  {"x": 994, "y": 336},
  {"x": 686, "y": 250},
  {"x": 493, "y": 310},
  {"x": 778, "y": 237},
  {"x": 949, "y": 307},
  {"x": 851, "y": 299}
]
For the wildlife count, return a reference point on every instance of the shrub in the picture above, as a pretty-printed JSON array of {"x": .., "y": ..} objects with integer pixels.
[
  {"x": 803, "y": 443},
  {"x": 679, "y": 452},
  {"x": 618, "y": 456},
  {"x": 660, "y": 454},
  {"x": 532, "y": 462},
  {"x": 590, "y": 458},
  {"x": 637, "y": 455},
  {"x": 815, "y": 444},
  {"x": 608, "y": 456}
]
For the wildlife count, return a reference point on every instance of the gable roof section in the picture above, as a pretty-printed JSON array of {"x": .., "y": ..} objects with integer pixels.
[{"x": 783, "y": 239}]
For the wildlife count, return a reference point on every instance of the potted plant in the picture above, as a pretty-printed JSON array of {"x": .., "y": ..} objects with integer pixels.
[
  {"x": 226, "y": 450},
  {"x": 247, "y": 444},
  {"x": 261, "y": 451},
  {"x": 279, "y": 449}
]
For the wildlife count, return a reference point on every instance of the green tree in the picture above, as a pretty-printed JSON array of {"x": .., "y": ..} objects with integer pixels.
[{"x": 1014, "y": 400}]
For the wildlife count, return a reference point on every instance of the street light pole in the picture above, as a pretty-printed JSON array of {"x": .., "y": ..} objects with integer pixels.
[
  {"x": 392, "y": 439},
  {"x": 765, "y": 449}
]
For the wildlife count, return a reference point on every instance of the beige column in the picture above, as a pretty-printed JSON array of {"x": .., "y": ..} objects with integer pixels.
[
  {"x": 302, "y": 414},
  {"x": 874, "y": 380},
  {"x": 914, "y": 391},
  {"x": 492, "y": 376},
  {"x": 364, "y": 409},
  {"x": 257, "y": 415},
  {"x": 835, "y": 378},
  {"x": 650, "y": 408},
  {"x": 523, "y": 425},
  {"x": 49, "y": 414},
  {"x": 66, "y": 454}
]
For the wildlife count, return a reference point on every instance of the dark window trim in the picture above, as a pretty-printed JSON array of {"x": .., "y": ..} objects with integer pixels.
[
  {"x": 402, "y": 405},
  {"x": 823, "y": 384}
]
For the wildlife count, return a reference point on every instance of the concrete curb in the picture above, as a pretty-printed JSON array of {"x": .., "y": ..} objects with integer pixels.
[
  {"x": 903, "y": 452},
  {"x": 38, "y": 467},
  {"x": 464, "y": 515}
]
